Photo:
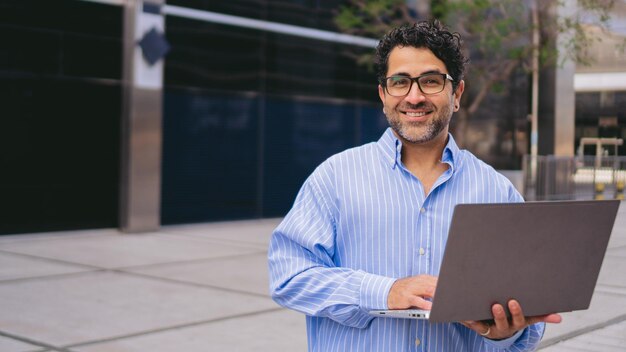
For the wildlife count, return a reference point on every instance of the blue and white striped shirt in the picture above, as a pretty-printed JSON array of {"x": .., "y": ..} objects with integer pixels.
[{"x": 360, "y": 222}]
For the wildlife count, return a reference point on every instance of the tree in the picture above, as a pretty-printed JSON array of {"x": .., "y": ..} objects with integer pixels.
[{"x": 498, "y": 36}]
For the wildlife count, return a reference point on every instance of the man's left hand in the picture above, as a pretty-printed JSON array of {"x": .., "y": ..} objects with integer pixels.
[{"x": 505, "y": 328}]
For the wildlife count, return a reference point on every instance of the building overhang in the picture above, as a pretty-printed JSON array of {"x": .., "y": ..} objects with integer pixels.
[{"x": 600, "y": 81}]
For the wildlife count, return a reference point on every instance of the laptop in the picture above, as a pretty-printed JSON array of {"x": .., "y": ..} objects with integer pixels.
[{"x": 546, "y": 255}]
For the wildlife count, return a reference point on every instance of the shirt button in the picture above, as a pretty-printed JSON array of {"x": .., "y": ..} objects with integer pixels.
[
  {"x": 422, "y": 251},
  {"x": 417, "y": 342},
  {"x": 422, "y": 210}
]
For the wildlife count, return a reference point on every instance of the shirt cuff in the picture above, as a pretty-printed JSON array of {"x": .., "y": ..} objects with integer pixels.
[
  {"x": 502, "y": 344},
  {"x": 374, "y": 291}
]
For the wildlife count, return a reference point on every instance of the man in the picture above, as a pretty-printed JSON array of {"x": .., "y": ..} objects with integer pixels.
[{"x": 368, "y": 228}]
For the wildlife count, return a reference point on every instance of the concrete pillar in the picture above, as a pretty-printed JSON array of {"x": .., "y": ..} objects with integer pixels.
[
  {"x": 556, "y": 122},
  {"x": 141, "y": 138}
]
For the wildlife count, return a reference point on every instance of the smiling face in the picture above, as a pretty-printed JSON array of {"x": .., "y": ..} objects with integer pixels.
[{"x": 415, "y": 117}]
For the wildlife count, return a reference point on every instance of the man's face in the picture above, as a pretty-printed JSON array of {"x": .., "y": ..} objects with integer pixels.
[{"x": 416, "y": 117}]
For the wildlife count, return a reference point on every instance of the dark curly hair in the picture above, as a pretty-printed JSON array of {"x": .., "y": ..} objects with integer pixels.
[{"x": 431, "y": 35}]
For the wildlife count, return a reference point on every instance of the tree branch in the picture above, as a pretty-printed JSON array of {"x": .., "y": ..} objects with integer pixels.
[{"x": 493, "y": 78}]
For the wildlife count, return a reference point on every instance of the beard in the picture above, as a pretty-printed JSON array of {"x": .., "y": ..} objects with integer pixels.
[{"x": 424, "y": 131}]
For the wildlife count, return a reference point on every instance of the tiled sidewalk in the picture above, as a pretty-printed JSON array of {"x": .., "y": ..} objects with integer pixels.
[
  {"x": 200, "y": 288},
  {"x": 185, "y": 288}
]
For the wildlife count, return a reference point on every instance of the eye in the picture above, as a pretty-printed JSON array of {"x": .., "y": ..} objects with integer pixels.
[
  {"x": 398, "y": 81},
  {"x": 431, "y": 81}
]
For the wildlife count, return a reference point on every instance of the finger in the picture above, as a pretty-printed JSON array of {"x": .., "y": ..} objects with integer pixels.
[
  {"x": 549, "y": 318},
  {"x": 429, "y": 278},
  {"x": 517, "y": 315},
  {"x": 553, "y": 318},
  {"x": 476, "y": 326},
  {"x": 499, "y": 316},
  {"x": 427, "y": 285},
  {"x": 428, "y": 292},
  {"x": 420, "y": 303}
]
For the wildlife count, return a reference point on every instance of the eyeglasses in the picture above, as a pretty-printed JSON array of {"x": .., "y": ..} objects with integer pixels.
[{"x": 430, "y": 83}]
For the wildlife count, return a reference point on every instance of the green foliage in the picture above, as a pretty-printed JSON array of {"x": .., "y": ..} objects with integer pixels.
[
  {"x": 498, "y": 29},
  {"x": 497, "y": 33},
  {"x": 439, "y": 8},
  {"x": 498, "y": 88},
  {"x": 516, "y": 53},
  {"x": 371, "y": 18}
]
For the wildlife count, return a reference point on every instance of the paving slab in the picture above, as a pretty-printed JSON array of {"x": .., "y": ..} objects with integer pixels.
[
  {"x": 610, "y": 338},
  {"x": 11, "y": 345},
  {"x": 280, "y": 330},
  {"x": 618, "y": 236},
  {"x": 123, "y": 250},
  {"x": 617, "y": 240},
  {"x": 613, "y": 271},
  {"x": 248, "y": 272},
  {"x": 617, "y": 252},
  {"x": 16, "y": 266},
  {"x": 60, "y": 235},
  {"x": 256, "y": 232},
  {"x": 604, "y": 308},
  {"x": 85, "y": 307}
]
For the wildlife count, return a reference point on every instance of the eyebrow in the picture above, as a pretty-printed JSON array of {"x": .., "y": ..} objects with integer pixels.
[{"x": 405, "y": 74}]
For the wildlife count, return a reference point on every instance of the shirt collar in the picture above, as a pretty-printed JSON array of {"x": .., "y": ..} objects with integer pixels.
[{"x": 391, "y": 148}]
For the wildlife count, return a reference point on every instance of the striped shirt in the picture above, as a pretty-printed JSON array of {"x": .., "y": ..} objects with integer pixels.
[{"x": 361, "y": 221}]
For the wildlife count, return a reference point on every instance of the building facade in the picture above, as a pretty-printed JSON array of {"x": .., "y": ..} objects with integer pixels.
[
  {"x": 246, "y": 113},
  {"x": 250, "y": 97}
]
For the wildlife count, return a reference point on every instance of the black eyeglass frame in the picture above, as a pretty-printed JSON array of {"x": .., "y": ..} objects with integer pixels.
[{"x": 445, "y": 76}]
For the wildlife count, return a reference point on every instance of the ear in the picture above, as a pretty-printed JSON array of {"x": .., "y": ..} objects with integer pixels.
[
  {"x": 381, "y": 93},
  {"x": 457, "y": 95}
]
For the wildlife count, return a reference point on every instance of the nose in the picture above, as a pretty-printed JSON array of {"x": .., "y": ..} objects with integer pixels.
[{"x": 415, "y": 95}]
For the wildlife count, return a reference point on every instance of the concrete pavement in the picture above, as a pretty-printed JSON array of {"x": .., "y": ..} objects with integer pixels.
[{"x": 202, "y": 287}]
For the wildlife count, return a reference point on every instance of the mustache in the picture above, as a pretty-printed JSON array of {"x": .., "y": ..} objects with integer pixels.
[{"x": 422, "y": 105}]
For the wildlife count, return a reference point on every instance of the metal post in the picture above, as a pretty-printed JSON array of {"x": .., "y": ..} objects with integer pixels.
[
  {"x": 140, "y": 179},
  {"x": 535, "y": 92}
]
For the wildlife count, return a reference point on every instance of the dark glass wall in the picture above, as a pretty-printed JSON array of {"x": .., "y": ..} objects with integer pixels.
[
  {"x": 305, "y": 13},
  {"x": 60, "y": 70},
  {"x": 248, "y": 115},
  {"x": 209, "y": 156}
]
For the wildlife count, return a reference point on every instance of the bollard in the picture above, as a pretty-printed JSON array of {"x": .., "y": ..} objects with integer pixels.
[
  {"x": 619, "y": 190},
  {"x": 599, "y": 191}
]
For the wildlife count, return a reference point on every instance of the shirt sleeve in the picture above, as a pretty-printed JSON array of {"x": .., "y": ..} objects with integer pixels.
[
  {"x": 524, "y": 340},
  {"x": 303, "y": 275},
  {"x": 514, "y": 195}
]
